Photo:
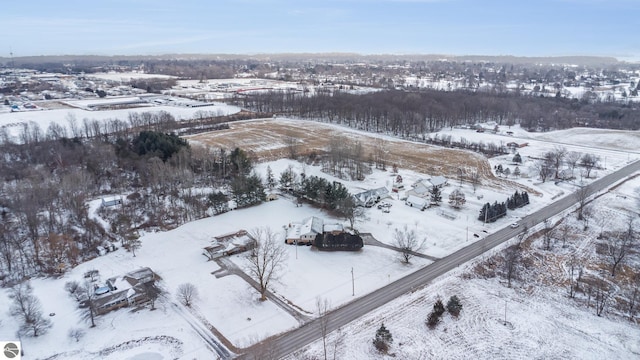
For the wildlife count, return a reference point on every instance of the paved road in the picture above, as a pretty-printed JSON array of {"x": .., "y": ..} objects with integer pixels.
[{"x": 289, "y": 342}]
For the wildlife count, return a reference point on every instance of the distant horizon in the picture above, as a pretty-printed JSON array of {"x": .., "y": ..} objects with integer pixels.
[
  {"x": 426, "y": 56},
  {"x": 542, "y": 28}
]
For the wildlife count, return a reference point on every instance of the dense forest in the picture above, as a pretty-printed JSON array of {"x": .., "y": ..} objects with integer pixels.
[{"x": 416, "y": 113}]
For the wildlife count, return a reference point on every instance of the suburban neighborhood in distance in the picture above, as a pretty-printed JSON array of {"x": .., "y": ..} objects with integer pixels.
[{"x": 306, "y": 181}]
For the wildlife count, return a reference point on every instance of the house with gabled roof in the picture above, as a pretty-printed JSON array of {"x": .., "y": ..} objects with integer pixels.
[
  {"x": 124, "y": 291},
  {"x": 306, "y": 231},
  {"x": 370, "y": 197},
  {"x": 229, "y": 244}
]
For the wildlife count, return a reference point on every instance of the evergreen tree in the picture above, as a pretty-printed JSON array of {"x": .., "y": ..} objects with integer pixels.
[
  {"x": 218, "y": 201},
  {"x": 484, "y": 213},
  {"x": 271, "y": 181},
  {"x": 438, "y": 307},
  {"x": 517, "y": 158},
  {"x": 516, "y": 171},
  {"x": 454, "y": 306},
  {"x": 383, "y": 339},
  {"x": 432, "y": 320},
  {"x": 436, "y": 195}
]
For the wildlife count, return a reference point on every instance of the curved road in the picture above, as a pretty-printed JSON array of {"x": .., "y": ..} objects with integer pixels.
[{"x": 289, "y": 342}]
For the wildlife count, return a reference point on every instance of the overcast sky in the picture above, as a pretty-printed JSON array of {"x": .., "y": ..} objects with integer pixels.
[{"x": 452, "y": 27}]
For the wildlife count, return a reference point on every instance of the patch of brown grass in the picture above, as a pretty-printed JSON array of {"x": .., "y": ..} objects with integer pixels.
[{"x": 267, "y": 140}]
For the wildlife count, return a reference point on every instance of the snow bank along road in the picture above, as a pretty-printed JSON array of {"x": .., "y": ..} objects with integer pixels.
[{"x": 289, "y": 342}]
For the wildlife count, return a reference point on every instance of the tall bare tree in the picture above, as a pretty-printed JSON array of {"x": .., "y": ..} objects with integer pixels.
[
  {"x": 558, "y": 155},
  {"x": 187, "y": 294},
  {"x": 619, "y": 244},
  {"x": 266, "y": 259},
  {"x": 408, "y": 242},
  {"x": 582, "y": 194},
  {"x": 589, "y": 162},
  {"x": 474, "y": 177},
  {"x": 571, "y": 159},
  {"x": 547, "y": 234},
  {"x": 28, "y": 309},
  {"x": 323, "y": 305}
]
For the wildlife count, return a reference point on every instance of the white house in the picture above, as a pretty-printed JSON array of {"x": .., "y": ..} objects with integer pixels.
[
  {"x": 306, "y": 231},
  {"x": 416, "y": 202}
]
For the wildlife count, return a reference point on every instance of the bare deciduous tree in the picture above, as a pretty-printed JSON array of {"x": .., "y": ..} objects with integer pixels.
[
  {"x": 589, "y": 162},
  {"x": 511, "y": 258},
  {"x": 408, "y": 242},
  {"x": 28, "y": 309},
  {"x": 187, "y": 294},
  {"x": 74, "y": 289},
  {"x": 618, "y": 245},
  {"x": 76, "y": 334},
  {"x": 571, "y": 159},
  {"x": 88, "y": 302},
  {"x": 292, "y": 145},
  {"x": 380, "y": 153},
  {"x": 474, "y": 177},
  {"x": 266, "y": 259},
  {"x": 564, "y": 231},
  {"x": 582, "y": 194},
  {"x": 575, "y": 274},
  {"x": 601, "y": 296},
  {"x": 558, "y": 155},
  {"x": 547, "y": 234},
  {"x": 323, "y": 305}
]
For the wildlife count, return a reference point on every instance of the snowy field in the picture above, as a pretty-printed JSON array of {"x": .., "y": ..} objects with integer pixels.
[
  {"x": 529, "y": 320},
  {"x": 540, "y": 324},
  {"x": 231, "y": 306}
]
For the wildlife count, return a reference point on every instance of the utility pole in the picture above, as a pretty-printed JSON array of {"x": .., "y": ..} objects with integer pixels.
[
  {"x": 505, "y": 312},
  {"x": 353, "y": 284}
]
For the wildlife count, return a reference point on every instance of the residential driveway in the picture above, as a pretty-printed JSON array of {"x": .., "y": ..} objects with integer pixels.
[
  {"x": 371, "y": 241},
  {"x": 231, "y": 269}
]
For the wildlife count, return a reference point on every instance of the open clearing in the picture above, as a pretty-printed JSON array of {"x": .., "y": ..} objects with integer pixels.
[{"x": 268, "y": 140}]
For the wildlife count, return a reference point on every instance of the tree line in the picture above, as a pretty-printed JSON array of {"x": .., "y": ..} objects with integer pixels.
[{"x": 414, "y": 113}]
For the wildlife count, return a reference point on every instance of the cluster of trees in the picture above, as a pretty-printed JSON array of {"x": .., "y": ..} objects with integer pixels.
[
  {"x": 490, "y": 149},
  {"x": 154, "y": 85},
  {"x": 454, "y": 306},
  {"x": 332, "y": 195},
  {"x": 517, "y": 200},
  {"x": 113, "y": 129},
  {"x": 553, "y": 162},
  {"x": 492, "y": 212},
  {"x": 46, "y": 183}
]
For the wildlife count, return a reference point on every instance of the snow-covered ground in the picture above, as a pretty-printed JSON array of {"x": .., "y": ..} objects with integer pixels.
[{"x": 232, "y": 307}]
